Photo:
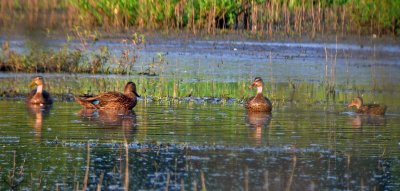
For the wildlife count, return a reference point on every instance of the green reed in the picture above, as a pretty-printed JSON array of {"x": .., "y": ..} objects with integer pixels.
[{"x": 260, "y": 17}]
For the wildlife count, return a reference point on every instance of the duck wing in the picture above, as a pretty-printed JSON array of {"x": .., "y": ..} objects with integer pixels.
[
  {"x": 247, "y": 102},
  {"x": 47, "y": 98},
  {"x": 107, "y": 97},
  {"x": 85, "y": 103},
  {"x": 373, "y": 109},
  {"x": 109, "y": 100}
]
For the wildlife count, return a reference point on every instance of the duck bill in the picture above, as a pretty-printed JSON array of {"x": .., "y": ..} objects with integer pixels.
[
  {"x": 32, "y": 84},
  {"x": 251, "y": 86},
  {"x": 350, "y": 105},
  {"x": 136, "y": 94}
]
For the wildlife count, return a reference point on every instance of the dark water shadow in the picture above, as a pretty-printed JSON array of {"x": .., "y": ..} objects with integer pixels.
[
  {"x": 37, "y": 115},
  {"x": 258, "y": 122},
  {"x": 110, "y": 119}
]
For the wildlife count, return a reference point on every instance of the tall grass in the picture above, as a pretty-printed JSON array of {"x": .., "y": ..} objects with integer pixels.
[{"x": 263, "y": 17}]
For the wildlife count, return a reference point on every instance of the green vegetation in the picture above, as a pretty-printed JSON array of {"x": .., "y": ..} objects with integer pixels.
[
  {"x": 73, "y": 60},
  {"x": 302, "y": 95},
  {"x": 272, "y": 17}
]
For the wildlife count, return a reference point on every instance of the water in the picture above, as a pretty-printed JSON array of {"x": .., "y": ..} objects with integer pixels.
[
  {"x": 231, "y": 61},
  {"x": 190, "y": 145},
  {"x": 208, "y": 141}
]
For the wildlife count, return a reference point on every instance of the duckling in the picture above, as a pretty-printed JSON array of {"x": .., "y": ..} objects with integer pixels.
[
  {"x": 374, "y": 109},
  {"x": 112, "y": 100},
  {"x": 38, "y": 96},
  {"x": 258, "y": 103}
]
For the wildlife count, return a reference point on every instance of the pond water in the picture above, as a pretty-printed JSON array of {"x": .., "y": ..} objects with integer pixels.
[
  {"x": 194, "y": 146},
  {"x": 190, "y": 130}
]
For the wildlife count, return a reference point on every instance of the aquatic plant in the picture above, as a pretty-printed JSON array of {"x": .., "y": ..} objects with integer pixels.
[{"x": 15, "y": 176}]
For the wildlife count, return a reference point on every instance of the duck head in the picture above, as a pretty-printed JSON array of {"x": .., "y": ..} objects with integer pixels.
[
  {"x": 356, "y": 102},
  {"x": 130, "y": 88},
  {"x": 36, "y": 81},
  {"x": 258, "y": 82}
]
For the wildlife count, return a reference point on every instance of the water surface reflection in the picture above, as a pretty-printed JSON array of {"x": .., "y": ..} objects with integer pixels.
[
  {"x": 110, "y": 118},
  {"x": 37, "y": 114},
  {"x": 359, "y": 120},
  {"x": 188, "y": 146},
  {"x": 258, "y": 121}
]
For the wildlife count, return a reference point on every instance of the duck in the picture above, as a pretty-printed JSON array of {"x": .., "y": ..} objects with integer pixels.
[
  {"x": 111, "y": 100},
  {"x": 374, "y": 109},
  {"x": 38, "y": 96},
  {"x": 258, "y": 103}
]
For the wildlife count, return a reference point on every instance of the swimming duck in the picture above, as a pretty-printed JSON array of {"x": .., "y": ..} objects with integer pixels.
[
  {"x": 374, "y": 109},
  {"x": 112, "y": 100},
  {"x": 258, "y": 103},
  {"x": 38, "y": 96}
]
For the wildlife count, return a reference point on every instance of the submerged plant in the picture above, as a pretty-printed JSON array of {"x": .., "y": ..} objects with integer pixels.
[{"x": 15, "y": 176}]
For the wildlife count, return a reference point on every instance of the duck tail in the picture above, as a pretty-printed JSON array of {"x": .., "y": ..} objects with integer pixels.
[{"x": 84, "y": 103}]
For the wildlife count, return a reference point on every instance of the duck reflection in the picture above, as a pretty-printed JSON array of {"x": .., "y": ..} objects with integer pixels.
[
  {"x": 111, "y": 118},
  {"x": 358, "y": 121},
  {"x": 257, "y": 122},
  {"x": 37, "y": 113}
]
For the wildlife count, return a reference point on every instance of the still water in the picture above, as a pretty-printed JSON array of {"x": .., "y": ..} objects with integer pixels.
[
  {"x": 188, "y": 146},
  {"x": 190, "y": 130}
]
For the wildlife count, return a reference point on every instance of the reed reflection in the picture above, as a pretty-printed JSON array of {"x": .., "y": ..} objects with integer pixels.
[
  {"x": 37, "y": 114},
  {"x": 258, "y": 121}
]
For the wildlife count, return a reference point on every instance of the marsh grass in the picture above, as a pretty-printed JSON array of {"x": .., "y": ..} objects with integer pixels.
[
  {"x": 40, "y": 60},
  {"x": 69, "y": 59},
  {"x": 330, "y": 72},
  {"x": 260, "y": 18}
]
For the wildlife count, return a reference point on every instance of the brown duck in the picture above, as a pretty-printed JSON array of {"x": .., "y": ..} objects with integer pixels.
[
  {"x": 374, "y": 109},
  {"x": 112, "y": 100},
  {"x": 258, "y": 103},
  {"x": 39, "y": 96}
]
